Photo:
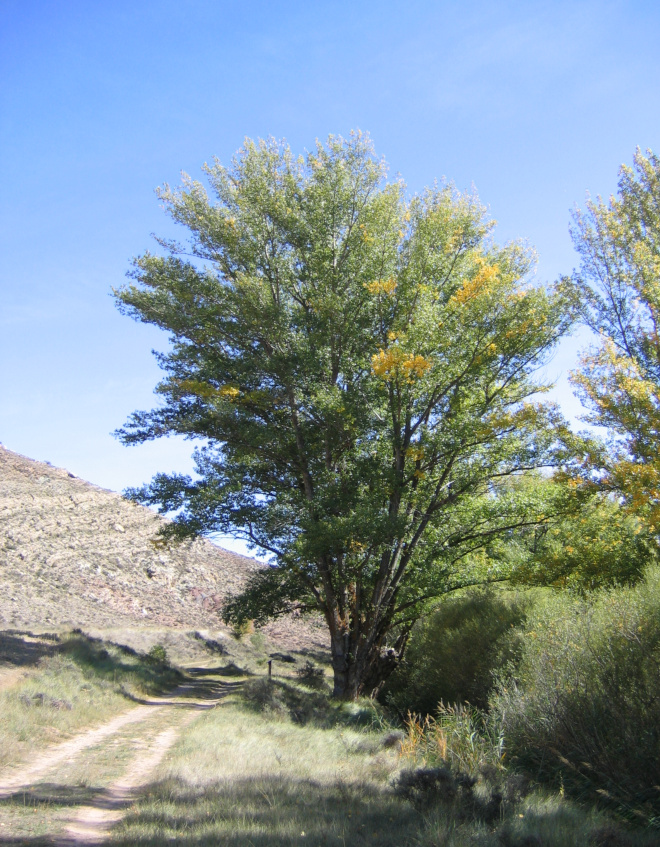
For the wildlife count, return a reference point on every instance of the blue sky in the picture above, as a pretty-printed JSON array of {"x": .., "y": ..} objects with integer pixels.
[{"x": 533, "y": 103}]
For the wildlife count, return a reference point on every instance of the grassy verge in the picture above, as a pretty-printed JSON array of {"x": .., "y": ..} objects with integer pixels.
[
  {"x": 247, "y": 774},
  {"x": 453, "y": 773},
  {"x": 282, "y": 765},
  {"x": 81, "y": 683}
]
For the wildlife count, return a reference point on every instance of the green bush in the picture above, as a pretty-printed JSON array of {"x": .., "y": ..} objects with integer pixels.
[
  {"x": 583, "y": 710},
  {"x": 456, "y": 652},
  {"x": 157, "y": 655},
  {"x": 311, "y": 675}
]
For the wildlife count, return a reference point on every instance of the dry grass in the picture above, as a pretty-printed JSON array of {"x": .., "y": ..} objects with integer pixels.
[
  {"x": 79, "y": 683},
  {"x": 242, "y": 778},
  {"x": 248, "y": 776}
]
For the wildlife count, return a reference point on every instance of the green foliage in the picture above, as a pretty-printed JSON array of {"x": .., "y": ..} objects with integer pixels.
[
  {"x": 268, "y": 593},
  {"x": 583, "y": 709},
  {"x": 597, "y": 544},
  {"x": 243, "y": 627},
  {"x": 618, "y": 285},
  {"x": 157, "y": 655},
  {"x": 359, "y": 365},
  {"x": 456, "y": 652}
]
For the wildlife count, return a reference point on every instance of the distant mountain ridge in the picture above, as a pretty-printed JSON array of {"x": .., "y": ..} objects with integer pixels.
[{"x": 72, "y": 553}]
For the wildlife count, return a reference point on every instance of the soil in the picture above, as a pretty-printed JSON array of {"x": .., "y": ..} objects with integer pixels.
[
  {"x": 76, "y": 555},
  {"x": 90, "y": 825}
]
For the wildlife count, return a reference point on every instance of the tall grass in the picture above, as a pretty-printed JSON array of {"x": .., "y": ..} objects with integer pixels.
[{"x": 461, "y": 737}]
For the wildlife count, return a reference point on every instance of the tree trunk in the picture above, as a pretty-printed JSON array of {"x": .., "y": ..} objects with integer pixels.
[{"x": 356, "y": 673}]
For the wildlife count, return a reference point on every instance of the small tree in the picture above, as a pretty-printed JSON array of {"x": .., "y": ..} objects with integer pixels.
[
  {"x": 619, "y": 286},
  {"x": 359, "y": 365}
]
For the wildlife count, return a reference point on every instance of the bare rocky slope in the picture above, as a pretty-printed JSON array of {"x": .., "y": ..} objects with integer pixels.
[{"x": 74, "y": 554}]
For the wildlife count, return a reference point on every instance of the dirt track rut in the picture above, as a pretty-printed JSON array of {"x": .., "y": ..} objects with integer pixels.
[{"x": 90, "y": 823}]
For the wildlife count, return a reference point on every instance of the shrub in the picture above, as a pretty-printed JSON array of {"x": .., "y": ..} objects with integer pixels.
[
  {"x": 258, "y": 641},
  {"x": 243, "y": 627},
  {"x": 157, "y": 655},
  {"x": 583, "y": 711},
  {"x": 456, "y": 652},
  {"x": 263, "y": 695},
  {"x": 310, "y": 675}
]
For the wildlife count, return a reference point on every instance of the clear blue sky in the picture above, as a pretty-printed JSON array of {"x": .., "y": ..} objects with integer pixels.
[{"x": 533, "y": 103}]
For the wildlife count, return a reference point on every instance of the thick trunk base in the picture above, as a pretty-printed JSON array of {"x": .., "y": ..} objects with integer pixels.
[{"x": 361, "y": 679}]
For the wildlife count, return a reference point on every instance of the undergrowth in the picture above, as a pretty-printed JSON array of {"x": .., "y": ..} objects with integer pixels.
[
  {"x": 251, "y": 773},
  {"x": 582, "y": 712},
  {"x": 454, "y": 774}
]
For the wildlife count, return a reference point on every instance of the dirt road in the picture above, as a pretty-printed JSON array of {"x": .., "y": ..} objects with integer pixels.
[{"x": 75, "y": 791}]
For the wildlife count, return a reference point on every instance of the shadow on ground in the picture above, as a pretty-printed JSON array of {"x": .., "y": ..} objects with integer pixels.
[
  {"x": 268, "y": 811},
  {"x": 22, "y": 648},
  {"x": 51, "y": 794}
]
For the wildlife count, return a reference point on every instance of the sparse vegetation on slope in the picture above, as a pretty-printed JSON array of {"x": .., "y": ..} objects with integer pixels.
[{"x": 73, "y": 554}]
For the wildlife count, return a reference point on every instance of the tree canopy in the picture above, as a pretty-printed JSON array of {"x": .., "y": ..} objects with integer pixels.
[
  {"x": 618, "y": 284},
  {"x": 360, "y": 367},
  {"x": 587, "y": 542}
]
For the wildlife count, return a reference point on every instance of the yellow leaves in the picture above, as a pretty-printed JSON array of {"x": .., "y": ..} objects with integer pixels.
[
  {"x": 415, "y": 453},
  {"x": 206, "y": 391},
  {"x": 395, "y": 363},
  {"x": 365, "y": 235},
  {"x": 481, "y": 283},
  {"x": 196, "y": 388},
  {"x": 381, "y": 286},
  {"x": 386, "y": 362},
  {"x": 416, "y": 366},
  {"x": 518, "y": 330}
]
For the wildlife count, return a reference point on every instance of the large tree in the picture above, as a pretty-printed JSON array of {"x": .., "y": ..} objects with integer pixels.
[
  {"x": 618, "y": 284},
  {"x": 360, "y": 368}
]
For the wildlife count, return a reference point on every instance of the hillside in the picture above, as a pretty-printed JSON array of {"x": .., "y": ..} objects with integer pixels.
[{"x": 72, "y": 553}]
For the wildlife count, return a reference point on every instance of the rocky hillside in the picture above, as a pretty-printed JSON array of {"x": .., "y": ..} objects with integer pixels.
[{"x": 73, "y": 553}]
